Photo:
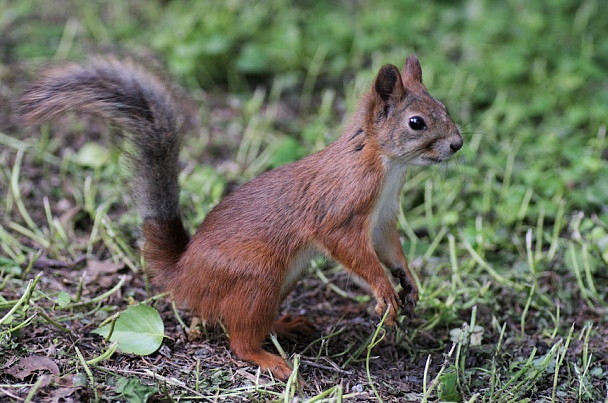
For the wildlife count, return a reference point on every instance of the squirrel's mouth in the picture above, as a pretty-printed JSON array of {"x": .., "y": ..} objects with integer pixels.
[
  {"x": 425, "y": 161},
  {"x": 433, "y": 160}
]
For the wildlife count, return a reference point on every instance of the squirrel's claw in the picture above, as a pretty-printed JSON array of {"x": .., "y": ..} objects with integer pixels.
[
  {"x": 408, "y": 303},
  {"x": 408, "y": 296}
]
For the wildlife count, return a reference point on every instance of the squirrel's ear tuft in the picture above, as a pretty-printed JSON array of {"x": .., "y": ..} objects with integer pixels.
[
  {"x": 388, "y": 82},
  {"x": 412, "y": 70}
]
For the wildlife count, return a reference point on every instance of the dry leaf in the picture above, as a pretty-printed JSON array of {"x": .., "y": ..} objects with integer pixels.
[
  {"x": 28, "y": 365},
  {"x": 62, "y": 395},
  {"x": 101, "y": 272}
]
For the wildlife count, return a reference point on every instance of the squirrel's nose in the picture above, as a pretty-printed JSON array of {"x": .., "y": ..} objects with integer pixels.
[{"x": 456, "y": 144}]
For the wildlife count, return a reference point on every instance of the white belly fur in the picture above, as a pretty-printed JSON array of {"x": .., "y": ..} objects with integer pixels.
[{"x": 296, "y": 267}]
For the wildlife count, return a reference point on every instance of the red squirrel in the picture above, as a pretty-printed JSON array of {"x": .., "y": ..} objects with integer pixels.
[{"x": 251, "y": 249}]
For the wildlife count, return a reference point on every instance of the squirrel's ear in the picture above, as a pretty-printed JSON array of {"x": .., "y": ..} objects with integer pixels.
[
  {"x": 412, "y": 70},
  {"x": 388, "y": 83}
]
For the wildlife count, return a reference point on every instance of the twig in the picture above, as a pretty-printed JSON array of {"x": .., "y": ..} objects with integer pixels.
[{"x": 327, "y": 367}]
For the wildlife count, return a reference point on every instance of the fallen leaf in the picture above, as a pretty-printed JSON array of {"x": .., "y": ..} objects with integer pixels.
[
  {"x": 101, "y": 272},
  {"x": 139, "y": 330},
  {"x": 62, "y": 395},
  {"x": 33, "y": 363},
  {"x": 133, "y": 390}
]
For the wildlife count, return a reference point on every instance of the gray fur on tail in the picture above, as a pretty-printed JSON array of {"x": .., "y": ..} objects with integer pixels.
[{"x": 131, "y": 98}]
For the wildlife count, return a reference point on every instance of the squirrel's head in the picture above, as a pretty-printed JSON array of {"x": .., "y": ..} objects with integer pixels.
[{"x": 409, "y": 124}]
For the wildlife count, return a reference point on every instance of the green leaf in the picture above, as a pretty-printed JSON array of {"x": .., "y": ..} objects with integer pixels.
[
  {"x": 63, "y": 299},
  {"x": 91, "y": 155},
  {"x": 138, "y": 330},
  {"x": 133, "y": 390},
  {"x": 448, "y": 388},
  {"x": 597, "y": 372}
]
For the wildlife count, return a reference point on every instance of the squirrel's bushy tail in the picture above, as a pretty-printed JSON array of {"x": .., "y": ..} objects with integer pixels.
[{"x": 139, "y": 103}]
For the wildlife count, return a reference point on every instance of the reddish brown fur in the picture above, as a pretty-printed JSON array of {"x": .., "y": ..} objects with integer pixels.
[{"x": 251, "y": 248}]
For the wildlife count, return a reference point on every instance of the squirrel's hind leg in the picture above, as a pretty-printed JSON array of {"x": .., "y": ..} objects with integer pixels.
[
  {"x": 246, "y": 343},
  {"x": 249, "y": 320},
  {"x": 290, "y": 326}
]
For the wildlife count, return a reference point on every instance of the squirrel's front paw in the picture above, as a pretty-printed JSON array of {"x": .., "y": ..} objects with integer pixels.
[
  {"x": 409, "y": 299},
  {"x": 409, "y": 294},
  {"x": 389, "y": 301}
]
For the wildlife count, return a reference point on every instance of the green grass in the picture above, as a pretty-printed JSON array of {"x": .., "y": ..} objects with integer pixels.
[{"x": 510, "y": 237}]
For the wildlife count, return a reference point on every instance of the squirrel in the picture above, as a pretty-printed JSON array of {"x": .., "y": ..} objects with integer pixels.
[{"x": 254, "y": 245}]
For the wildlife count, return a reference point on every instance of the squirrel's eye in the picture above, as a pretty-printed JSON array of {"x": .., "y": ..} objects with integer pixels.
[{"x": 417, "y": 123}]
